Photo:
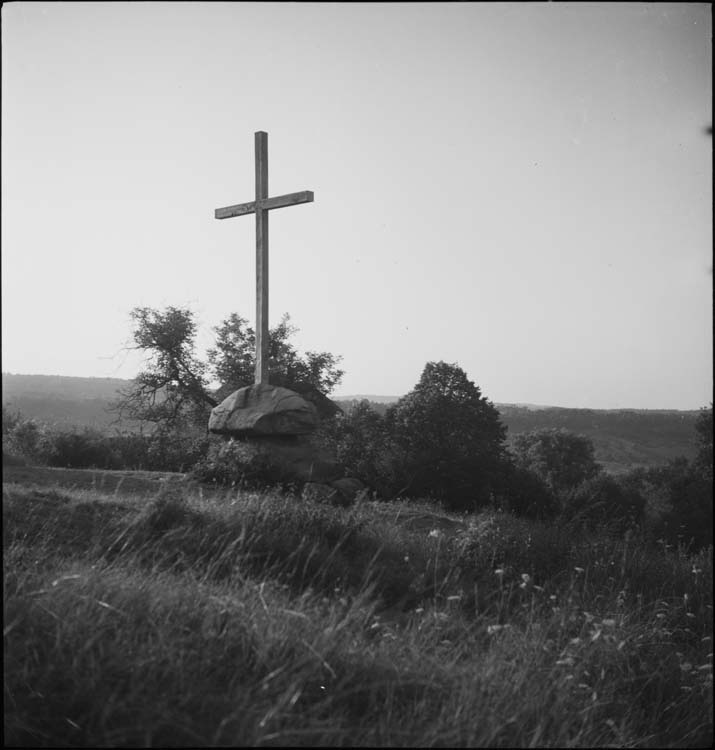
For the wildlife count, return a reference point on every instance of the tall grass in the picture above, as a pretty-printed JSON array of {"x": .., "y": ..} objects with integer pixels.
[{"x": 259, "y": 619}]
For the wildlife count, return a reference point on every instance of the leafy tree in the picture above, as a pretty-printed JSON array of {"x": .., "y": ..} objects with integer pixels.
[
  {"x": 361, "y": 443},
  {"x": 233, "y": 359},
  {"x": 173, "y": 390},
  {"x": 561, "y": 459},
  {"x": 446, "y": 439}
]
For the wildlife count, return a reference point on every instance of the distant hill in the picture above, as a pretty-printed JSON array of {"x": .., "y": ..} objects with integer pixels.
[
  {"x": 622, "y": 438},
  {"x": 63, "y": 401}
]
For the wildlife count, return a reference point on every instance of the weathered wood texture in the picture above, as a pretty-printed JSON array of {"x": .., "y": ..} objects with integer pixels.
[
  {"x": 279, "y": 201},
  {"x": 261, "y": 206},
  {"x": 261, "y": 259}
]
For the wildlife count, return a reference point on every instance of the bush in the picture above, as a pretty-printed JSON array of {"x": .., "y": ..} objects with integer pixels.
[
  {"x": 604, "y": 501},
  {"x": 27, "y": 440},
  {"x": 560, "y": 458},
  {"x": 20, "y": 436},
  {"x": 360, "y": 441},
  {"x": 234, "y": 462},
  {"x": 679, "y": 503},
  {"x": 525, "y": 494},
  {"x": 77, "y": 450}
]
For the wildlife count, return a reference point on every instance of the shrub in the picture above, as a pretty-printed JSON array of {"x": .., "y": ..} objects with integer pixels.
[
  {"x": 604, "y": 501},
  {"x": 561, "y": 459},
  {"x": 77, "y": 450},
  {"x": 20, "y": 436},
  {"x": 524, "y": 493},
  {"x": 234, "y": 462},
  {"x": 360, "y": 441}
]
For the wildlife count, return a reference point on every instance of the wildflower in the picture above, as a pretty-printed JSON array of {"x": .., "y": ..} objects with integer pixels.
[
  {"x": 660, "y": 616},
  {"x": 525, "y": 577},
  {"x": 435, "y": 534},
  {"x": 578, "y": 570},
  {"x": 552, "y": 597},
  {"x": 491, "y": 629},
  {"x": 690, "y": 614},
  {"x": 407, "y": 558},
  {"x": 419, "y": 610},
  {"x": 697, "y": 570},
  {"x": 499, "y": 572}
]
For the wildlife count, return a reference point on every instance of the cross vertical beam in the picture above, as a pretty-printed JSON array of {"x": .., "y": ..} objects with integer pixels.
[
  {"x": 261, "y": 139},
  {"x": 261, "y": 206}
]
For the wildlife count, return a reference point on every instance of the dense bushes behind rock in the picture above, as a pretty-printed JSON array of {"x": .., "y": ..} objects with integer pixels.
[{"x": 33, "y": 441}]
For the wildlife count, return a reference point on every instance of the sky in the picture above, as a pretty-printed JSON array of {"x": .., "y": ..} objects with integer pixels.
[{"x": 523, "y": 189}]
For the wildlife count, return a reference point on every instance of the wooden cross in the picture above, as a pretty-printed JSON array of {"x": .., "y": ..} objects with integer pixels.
[{"x": 261, "y": 206}]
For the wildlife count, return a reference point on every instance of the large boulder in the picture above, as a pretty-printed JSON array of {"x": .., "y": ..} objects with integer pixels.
[
  {"x": 259, "y": 410},
  {"x": 327, "y": 408}
]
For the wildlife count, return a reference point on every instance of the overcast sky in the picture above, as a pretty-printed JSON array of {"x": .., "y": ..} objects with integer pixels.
[{"x": 523, "y": 189}]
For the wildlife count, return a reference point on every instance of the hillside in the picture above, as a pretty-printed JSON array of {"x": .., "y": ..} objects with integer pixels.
[
  {"x": 144, "y": 610},
  {"x": 63, "y": 401},
  {"x": 622, "y": 438}
]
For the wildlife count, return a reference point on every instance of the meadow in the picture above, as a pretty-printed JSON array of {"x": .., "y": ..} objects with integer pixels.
[{"x": 146, "y": 610}]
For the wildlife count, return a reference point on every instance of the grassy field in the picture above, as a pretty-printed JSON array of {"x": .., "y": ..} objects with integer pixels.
[{"x": 141, "y": 610}]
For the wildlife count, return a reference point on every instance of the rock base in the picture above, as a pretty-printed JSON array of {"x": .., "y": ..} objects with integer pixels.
[{"x": 258, "y": 410}]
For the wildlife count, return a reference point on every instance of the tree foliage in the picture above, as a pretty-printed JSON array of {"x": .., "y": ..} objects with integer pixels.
[
  {"x": 447, "y": 439},
  {"x": 561, "y": 459},
  {"x": 232, "y": 359},
  {"x": 173, "y": 390}
]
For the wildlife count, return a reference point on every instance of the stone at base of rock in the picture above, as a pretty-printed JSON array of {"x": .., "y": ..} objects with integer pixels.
[{"x": 295, "y": 458}]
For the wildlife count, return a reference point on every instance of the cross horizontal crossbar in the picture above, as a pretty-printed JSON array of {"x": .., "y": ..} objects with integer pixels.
[{"x": 280, "y": 201}]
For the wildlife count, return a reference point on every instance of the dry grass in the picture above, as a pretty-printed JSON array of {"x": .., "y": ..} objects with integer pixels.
[{"x": 191, "y": 619}]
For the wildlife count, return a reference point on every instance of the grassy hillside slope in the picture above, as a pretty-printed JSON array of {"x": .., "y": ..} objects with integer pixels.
[{"x": 152, "y": 613}]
